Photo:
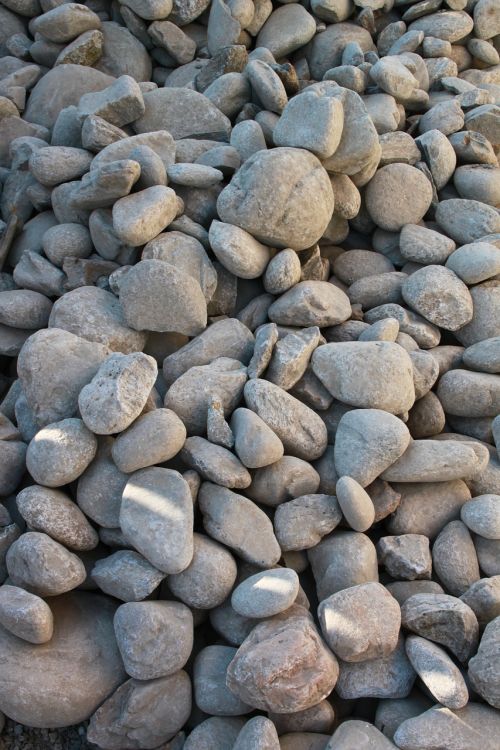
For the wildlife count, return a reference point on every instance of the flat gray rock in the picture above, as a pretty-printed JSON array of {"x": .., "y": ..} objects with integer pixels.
[
  {"x": 301, "y": 431},
  {"x": 375, "y": 375},
  {"x": 240, "y": 524},
  {"x": 183, "y": 308},
  {"x": 121, "y": 719},
  {"x": 184, "y": 113}
]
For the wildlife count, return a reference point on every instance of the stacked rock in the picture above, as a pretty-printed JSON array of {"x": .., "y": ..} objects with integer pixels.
[{"x": 250, "y": 357}]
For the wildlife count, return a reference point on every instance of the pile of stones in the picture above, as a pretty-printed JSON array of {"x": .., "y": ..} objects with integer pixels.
[{"x": 250, "y": 357}]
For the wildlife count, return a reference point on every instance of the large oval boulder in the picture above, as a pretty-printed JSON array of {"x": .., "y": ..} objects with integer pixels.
[{"x": 62, "y": 682}]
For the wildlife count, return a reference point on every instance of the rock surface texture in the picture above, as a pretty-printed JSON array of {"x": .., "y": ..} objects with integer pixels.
[{"x": 250, "y": 374}]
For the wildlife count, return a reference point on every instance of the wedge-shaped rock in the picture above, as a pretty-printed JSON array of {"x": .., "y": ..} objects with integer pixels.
[{"x": 367, "y": 442}]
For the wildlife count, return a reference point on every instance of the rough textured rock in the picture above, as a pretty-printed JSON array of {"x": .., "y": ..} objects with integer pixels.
[
  {"x": 118, "y": 392},
  {"x": 54, "y": 366},
  {"x": 281, "y": 653},
  {"x": 142, "y": 713},
  {"x": 278, "y": 181},
  {"x": 155, "y": 638}
]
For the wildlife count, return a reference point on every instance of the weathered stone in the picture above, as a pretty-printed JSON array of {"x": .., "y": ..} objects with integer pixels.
[
  {"x": 301, "y": 431},
  {"x": 224, "y": 338},
  {"x": 255, "y": 443},
  {"x": 184, "y": 113},
  {"x": 361, "y": 622},
  {"x": 215, "y": 463},
  {"x": 391, "y": 196},
  {"x": 190, "y": 395},
  {"x": 454, "y": 558},
  {"x": 366, "y": 442},
  {"x": 239, "y": 523},
  {"x": 118, "y": 392},
  {"x": 53, "y": 367},
  {"x": 436, "y": 461},
  {"x": 209, "y": 577},
  {"x": 367, "y": 374},
  {"x": 81, "y": 662},
  {"x": 52, "y": 512},
  {"x": 391, "y": 676},
  {"x": 342, "y": 560},
  {"x": 265, "y": 180},
  {"x": 100, "y": 487},
  {"x": 157, "y": 296},
  {"x": 439, "y": 674},
  {"x": 142, "y": 713},
  {"x": 212, "y": 695},
  {"x": 476, "y": 723},
  {"x": 126, "y": 575},
  {"x": 278, "y": 653},
  {"x": 60, "y": 452},
  {"x": 442, "y": 619},
  {"x": 301, "y": 523},
  {"x": 266, "y": 594},
  {"x": 311, "y": 303},
  {"x": 155, "y": 638},
  {"x": 426, "y": 507},
  {"x": 40, "y": 565},
  {"x": 482, "y": 667}
]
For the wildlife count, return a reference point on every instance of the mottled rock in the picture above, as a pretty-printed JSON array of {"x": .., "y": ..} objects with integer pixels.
[
  {"x": 52, "y": 512},
  {"x": 361, "y": 622},
  {"x": 155, "y": 638},
  {"x": 118, "y": 392},
  {"x": 279, "y": 653}
]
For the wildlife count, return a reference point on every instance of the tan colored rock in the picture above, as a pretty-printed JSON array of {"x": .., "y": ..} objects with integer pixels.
[{"x": 283, "y": 665}]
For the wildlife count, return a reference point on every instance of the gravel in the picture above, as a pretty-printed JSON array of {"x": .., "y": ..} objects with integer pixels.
[{"x": 249, "y": 375}]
